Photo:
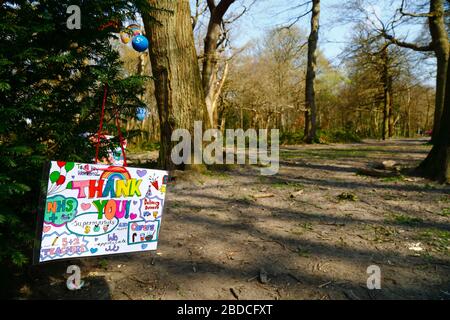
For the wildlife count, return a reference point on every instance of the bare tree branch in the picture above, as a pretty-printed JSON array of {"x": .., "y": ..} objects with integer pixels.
[
  {"x": 222, "y": 8},
  {"x": 415, "y": 15},
  {"x": 408, "y": 45},
  {"x": 297, "y": 19}
]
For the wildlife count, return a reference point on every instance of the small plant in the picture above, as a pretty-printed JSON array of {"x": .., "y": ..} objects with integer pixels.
[
  {"x": 103, "y": 263},
  {"x": 303, "y": 252},
  {"x": 306, "y": 225},
  {"x": 347, "y": 196}
]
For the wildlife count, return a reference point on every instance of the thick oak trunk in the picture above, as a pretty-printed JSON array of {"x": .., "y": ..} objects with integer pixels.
[
  {"x": 437, "y": 164},
  {"x": 440, "y": 41},
  {"x": 178, "y": 88}
]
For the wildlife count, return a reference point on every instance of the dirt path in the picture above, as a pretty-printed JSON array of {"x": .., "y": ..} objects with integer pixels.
[{"x": 218, "y": 236}]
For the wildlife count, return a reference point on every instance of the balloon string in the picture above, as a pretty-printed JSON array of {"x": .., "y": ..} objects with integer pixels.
[
  {"x": 121, "y": 139},
  {"x": 105, "y": 91}
]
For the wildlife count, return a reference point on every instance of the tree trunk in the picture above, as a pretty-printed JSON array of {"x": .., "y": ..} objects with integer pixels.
[
  {"x": 178, "y": 89},
  {"x": 212, "y": 86},
  {"x": 437, "y": 164},
  {"x": 307, "y": 121},
  {"x": 428, "y": 113},
  {"x": 384, "y": 127},
  {"x": 387, "y": 87},
  {"x": 407, "y": 129},
  {"x": 310, "y": 95},
  {"x": 391, "y": 120},
  {"x": 440, "y": 41}
]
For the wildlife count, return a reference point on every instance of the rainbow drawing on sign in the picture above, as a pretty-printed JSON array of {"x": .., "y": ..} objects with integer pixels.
[{"x": 96, "y": 209}]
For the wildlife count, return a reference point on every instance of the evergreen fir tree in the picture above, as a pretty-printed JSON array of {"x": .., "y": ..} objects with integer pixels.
[{"x": 51, "y": 88}]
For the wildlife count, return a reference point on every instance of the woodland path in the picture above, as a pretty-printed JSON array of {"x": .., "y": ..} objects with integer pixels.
[{"x": 221, "y": 231}]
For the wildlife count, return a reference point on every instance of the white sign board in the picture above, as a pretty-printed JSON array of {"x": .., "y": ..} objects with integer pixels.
[{"x": 94, "y": 209}]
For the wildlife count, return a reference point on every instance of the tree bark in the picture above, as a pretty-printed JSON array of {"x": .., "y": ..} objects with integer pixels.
[
  {"x": 178, "y": 90},
  {"x": 437, "y": 164},
  {"x": 310, "y": 94},
  {"x": 440, "y": 42}
]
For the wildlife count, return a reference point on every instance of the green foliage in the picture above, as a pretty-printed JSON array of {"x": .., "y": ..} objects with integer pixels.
[
  {"x": 144, "y": 146},
  {"x": 337, "y": 136},
  {"x": 51, "y": 84},
  {"x": 290, "y": 138},
  {"x": 322, "y": 136}
]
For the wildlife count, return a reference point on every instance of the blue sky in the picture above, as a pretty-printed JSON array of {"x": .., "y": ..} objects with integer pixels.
[
  {"x": 266, "y": 14},
  {"x": 334, "y": 35}
]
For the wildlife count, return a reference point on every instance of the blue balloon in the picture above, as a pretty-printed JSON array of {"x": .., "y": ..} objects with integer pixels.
[
  {"x": 139, "y": 43},
  {"x": 141, "y": 113}
]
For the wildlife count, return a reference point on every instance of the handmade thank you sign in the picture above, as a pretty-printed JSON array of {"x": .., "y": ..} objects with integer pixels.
[{"x": 94, "y": 209}]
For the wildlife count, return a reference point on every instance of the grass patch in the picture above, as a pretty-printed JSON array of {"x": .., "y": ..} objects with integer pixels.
[
  {"x": 445, "y": 212},
  {"x": 287, "y": 184},
  {"x": 393, "y": 179},
  {"x": 383, "y": 234},
  {"x": 429, "y": 186},
  {"x": 174, "y": 204},
  {"x": 216, "y": 174},
  {"x": 325, "y": 154},
  {"x": 439, "y": 239},
  {"x": 404, "y": 220}
]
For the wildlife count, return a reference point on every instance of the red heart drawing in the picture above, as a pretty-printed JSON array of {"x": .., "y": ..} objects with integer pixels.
[
  {"x": 133, "y": 216},
  {"x": 61, "y": 163},
  {"x": 85, "y": 206},
  {"x": 47, "y": 229}
]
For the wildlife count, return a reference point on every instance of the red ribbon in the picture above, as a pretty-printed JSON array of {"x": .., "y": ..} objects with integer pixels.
[{"x": 99, "y": 133}]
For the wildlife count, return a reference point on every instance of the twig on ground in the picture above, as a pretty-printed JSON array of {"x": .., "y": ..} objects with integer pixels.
[
  {"x": 324, "y": 284},
  {"x": 233, "y": 292}
]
